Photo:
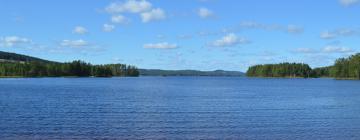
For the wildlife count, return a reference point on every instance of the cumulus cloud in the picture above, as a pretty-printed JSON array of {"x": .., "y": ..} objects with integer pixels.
[
  {"x": 154, "y": 14},
  {"x": 185, "y": 36},
  {"x": 293, "y": 29},
  {"x": 80, "y": 30},
  {"x": 348, "y": 32},
  {"x": 325, "y": 50},
  {"x": 163, "y": 45},
  {"x": 348, "y": 2},
  {"x": 256, "y": 25},
  {"x": 74, "y": 43},
  {"x": 205, "y": 13},
  {"x": 339, "y": 33},
  {"x": 10, "y": 41},
  {"x": 327, "y": 35},
  {"x": 141, "y": 7},
  {"x": 305, "y": 50},
  {"x": 229, "y": 40},
  {"x": 120, "y": 19},
  {"x": 337, "y": 49},
  {"x": 108, "y": 28},
  {"x": 64, "y": 46},
  {"x": 130, "y": 6}
]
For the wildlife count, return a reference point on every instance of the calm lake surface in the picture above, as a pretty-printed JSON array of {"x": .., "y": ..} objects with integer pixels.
[{"x": 179, "y": 108}]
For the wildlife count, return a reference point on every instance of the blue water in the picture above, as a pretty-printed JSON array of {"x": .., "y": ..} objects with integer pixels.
[{"x": 179, "y": 108}]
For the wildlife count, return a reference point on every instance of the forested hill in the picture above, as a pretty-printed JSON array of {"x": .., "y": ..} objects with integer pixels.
[
  {"x": 157, "y": 72},
  {"x": 17, "y": 65},
  {"x": 7, "y": 56}
]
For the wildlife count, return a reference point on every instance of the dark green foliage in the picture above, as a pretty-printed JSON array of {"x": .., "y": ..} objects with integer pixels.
[
  {"x": 344, "y": 68},
  {"x": 17, "y": 65},
  {"x": 321, "y": 72},
  {"x": 347, "y": 68},
  {"x": 280, "y": 70},
  {"x": 18, "y": 57},
  {"x": 75, "y": 68}
]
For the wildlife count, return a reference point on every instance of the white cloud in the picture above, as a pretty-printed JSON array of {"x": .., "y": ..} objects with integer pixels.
[
  {"x": 347, "y": 32},
  {"x": 229, "y": 40},
  {"x": 154, "y": 14},
  {"x": 255, "y": 25},
  {"x": 163, "y": 45},
  {"x": 80, "y": 30},
  {"x": 293, "y": 29},
  {"x": 305, "y": 50},
  {"x": 108, "y": 28},
  {"x": 130, "y": 6},
  {"x": 64, "y": 46},
  {"x": 327, "y": 35},
  {"x": 339, "y": 33},
  {"x": 348, "y": 2},
  {"x": 185, "y": 36},
  {"x": 143, "y": 8},
  {"x": 205, "y": 13},
  {"x": 10, "y": 41},
  {"x": 325, "y": 50},
  {"x": 336, "y": 49},
  {"x": 119, "y": 19},
  {"x": 74, "y": 43}
]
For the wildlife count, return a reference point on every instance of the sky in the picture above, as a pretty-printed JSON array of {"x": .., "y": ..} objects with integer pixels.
[{"x": 182, "y": 34}]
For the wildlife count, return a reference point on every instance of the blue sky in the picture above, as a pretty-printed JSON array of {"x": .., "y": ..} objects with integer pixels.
[{"x": 182, "y": 34}]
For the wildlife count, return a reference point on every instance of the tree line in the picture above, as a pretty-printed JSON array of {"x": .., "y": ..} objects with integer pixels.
[
  {"x": 280, "y": 70},
  {"x": 344, "y": 68},
  {"x": 71, "y": 69}
]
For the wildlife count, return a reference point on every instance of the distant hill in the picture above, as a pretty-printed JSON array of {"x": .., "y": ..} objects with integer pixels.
[
  {"x": 13, "y": 57},
  {"x": 158, "y": 72},
  {"x": 17, "y": 65}
]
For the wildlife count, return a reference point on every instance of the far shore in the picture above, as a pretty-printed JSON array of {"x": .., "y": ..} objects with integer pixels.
[{"x": 20, "y": 77}]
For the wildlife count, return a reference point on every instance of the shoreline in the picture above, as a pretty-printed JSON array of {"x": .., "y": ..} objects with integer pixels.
[
  {"x": 15, "y": 77},
  {"x": 75, "y": 77}
]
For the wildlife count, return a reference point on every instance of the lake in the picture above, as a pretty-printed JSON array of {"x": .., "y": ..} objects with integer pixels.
[{"x": 179, "y": 108}]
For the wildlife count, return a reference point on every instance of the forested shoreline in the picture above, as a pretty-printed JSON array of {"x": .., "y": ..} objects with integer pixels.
[
  {"x": 17, "y": 65},
  {"x": 344, "y": 68},
  {"x": 280, "y": 70},
  {"x": 72, "y": 69}
]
